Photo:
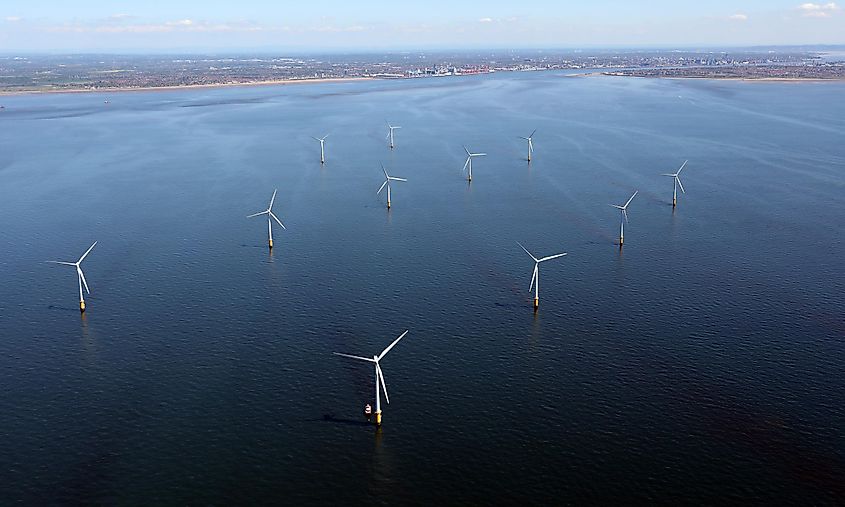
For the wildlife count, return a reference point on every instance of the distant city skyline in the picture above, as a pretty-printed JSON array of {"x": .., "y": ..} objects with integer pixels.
[{"x": 331, "y": 25}]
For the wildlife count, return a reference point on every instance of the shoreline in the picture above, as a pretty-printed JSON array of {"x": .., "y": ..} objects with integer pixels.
[
  {"x": 271, "y": 82},
  {"x": 731, "y": 78}
]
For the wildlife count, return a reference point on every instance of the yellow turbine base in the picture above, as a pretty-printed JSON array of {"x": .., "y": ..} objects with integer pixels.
[
  {"x": 536, "y": 303},
  {"x": 378, "y": 418},
  {"x": 388, "y": 204},
  {"x": 621, "y": 240},
  {"x": 82, "y": 306},
  {"x": 271, "y": 243},
  {"x": 674, "y": 202}
]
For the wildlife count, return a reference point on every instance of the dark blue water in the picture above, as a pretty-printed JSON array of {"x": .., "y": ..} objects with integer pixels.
[{"x": 702, "y": 363}]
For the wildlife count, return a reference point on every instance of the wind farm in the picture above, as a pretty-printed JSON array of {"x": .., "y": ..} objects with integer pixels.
[{"x": 203, "y": 370}]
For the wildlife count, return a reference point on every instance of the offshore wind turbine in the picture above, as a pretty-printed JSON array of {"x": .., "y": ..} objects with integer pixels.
[
  {"x": 270, "y": 218},
  {"x": 535, "y": 277},
  {"x": 676, "y": 182},
  {"x": 468, "y": 163},
  {"x": 378, "y": 373},
  {"x": 530, "y": 144},
  {"x": 390, "y": 134},
  {"x": 387, "y": 179},
  {"x": 624, "y": 217},
  {"x": 322, "y": 141},
  {"x": 79, "y": 275}
]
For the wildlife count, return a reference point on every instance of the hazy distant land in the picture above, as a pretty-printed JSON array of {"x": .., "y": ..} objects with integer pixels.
[{"x": 73, "y": 73}]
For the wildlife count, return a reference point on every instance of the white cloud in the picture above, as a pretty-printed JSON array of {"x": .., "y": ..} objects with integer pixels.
[
  {"x": 485, "y": 20},
  {"x": 13, "y": 19},
  {"x": 811, "y": 10},
  {"x": 738, "y": 17}
]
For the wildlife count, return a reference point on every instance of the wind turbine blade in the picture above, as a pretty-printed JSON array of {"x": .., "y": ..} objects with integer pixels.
[
  {"x": 86, "y": 252},
  {"x": 82, "y": 277},
  {"x": 383, "y": 384},
  {"x": 256, "y": 214},
  {"x": 667, "y": 174},
  {"x": 382, "y": 187},
  {"x": 368, "y": 359},
  {"x": 532, "y": 134},
  {"x": 533, "y": 278},
  {"x": 479, "y": 154},
  {"x": 385, "y": 351},
  {"x": 625, "y": 214},
  {"x": 617, "y": 206},
  {"x": 466, "y": 164},
  {"x": 397, "y": 179},
  {"x": 325, "y": 137},
  {"x": 62, "y": 263},
  {"x": 524, "y": 138},
  {"x": 526, "y": 251},
  {"x": 680, "y": 185},
  {"x": 397, "y": 127},
  {"x": 386, "y": 176},
  {"x": 682, "y": 166},
  {"x": 552, "y": 257},
  {"x": 277, "y": 220},
  {"x": 631, "y": 199},
  {"x": 316, "y": 138},
  {"x": 272, "y": 200}
]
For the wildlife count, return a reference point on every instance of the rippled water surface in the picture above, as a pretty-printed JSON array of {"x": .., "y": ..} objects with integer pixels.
[{"x": 703, "y": 362}]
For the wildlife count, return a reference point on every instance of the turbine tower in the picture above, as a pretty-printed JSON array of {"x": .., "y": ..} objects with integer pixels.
[
  {"x": 270, "y": 218},
  {"x": 387, "y": 179},
  {"x": 468, "y": 163},
  {"x": 676, "y": 182},
  {"x": 79, "y": 275},
  {"x": 322, "y": 141},
  {"x": 624, "y": 218},
  {"x": 390, "y": 133},
  {"x": 378, "y": 374},
  {"x": 530, "y": 144},
  {"x": 535, "y": 277}
]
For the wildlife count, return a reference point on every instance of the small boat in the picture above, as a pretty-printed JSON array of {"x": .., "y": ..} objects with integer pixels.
[{"x": 368, "y": 411}]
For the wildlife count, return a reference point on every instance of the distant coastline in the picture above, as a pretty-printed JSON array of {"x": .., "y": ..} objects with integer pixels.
[{"x": 268, "y": 82}]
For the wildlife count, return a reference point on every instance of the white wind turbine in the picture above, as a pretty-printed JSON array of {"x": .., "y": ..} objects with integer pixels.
[
  {"x": 322, "y": 141},
  {"x": 676, "y": 182},
  {"x": 378, "y": 373},
  {"x": 390, "y": 134},
  {"x": 387, "y": 179},
  {"x": 79, "y": 275},
  {"x": 624, "y": 217},
  {"x": 270, "y": 218},
  {"x": 535, "y": 277},
  {"x": 468, "y": 163},
  {"x": 530, "y": 144}
]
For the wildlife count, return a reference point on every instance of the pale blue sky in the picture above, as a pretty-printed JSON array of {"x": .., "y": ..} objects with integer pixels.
[{"x": 125, "y": 25}]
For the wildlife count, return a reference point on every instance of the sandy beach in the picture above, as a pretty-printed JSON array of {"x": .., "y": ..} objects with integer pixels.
[{"x": 276, "y": 82}]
